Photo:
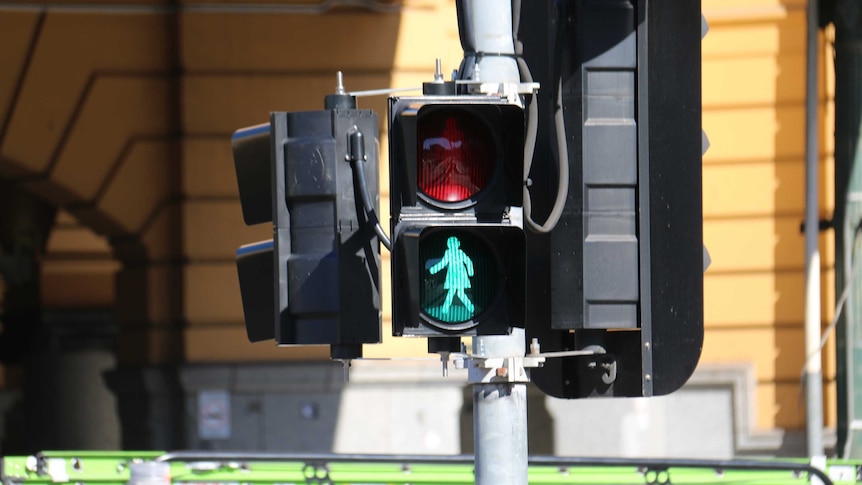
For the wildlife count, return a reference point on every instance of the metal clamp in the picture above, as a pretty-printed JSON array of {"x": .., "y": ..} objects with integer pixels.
[{"x": 489, "y": 370}]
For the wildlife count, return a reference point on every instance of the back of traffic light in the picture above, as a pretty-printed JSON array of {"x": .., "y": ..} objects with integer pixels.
[
  {"x": 317, "y": 282},
  {"x": 456, "y": 173},
  {"x": 620, "y": 276}
]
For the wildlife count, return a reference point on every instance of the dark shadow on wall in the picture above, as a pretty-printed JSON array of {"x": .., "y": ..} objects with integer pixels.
[
  {"x": 25, "y": 223},
  {"x": 65, "y": 352}
]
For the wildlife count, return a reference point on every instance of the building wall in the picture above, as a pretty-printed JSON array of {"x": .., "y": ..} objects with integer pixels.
[
  {"x": 754, "y": 199},
  {"x": 121, "y": 114}
]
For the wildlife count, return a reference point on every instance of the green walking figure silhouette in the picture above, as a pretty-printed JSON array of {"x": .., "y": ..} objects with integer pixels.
[{"x": 457, "y": 276}]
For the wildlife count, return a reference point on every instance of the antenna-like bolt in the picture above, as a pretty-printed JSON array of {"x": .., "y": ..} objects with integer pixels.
[
  {"x": 535, "y": 348},
  {"x": 339, "y": 83},
  {"x": 438, "y": 71}
]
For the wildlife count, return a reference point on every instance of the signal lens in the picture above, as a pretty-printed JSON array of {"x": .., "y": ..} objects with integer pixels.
[
  {"x": 460, "y": 275},
  {"x": 456, "y": 154}
]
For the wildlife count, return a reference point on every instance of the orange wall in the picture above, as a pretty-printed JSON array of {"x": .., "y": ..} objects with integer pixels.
[{"x": 754, "y": 199}]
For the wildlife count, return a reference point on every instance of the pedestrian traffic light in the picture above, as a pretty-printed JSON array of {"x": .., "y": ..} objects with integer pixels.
[
  {"x": 317, "y": 281},
  {"x": 456, "y": 172},
  {"x": 619, "y": 279}
]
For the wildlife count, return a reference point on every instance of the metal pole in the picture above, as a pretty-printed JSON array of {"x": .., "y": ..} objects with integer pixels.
[
  {"x": 499, "y": 407},
  {"x": 485, "y": 27},
  {"x": 813, "y": 371},
  {"x": 500, "y": 416}
]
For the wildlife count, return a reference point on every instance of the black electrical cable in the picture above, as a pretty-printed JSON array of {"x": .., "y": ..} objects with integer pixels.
[{"x": 357, "y": 162}]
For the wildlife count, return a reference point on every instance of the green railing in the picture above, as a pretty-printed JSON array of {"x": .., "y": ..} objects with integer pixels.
[{"x": 216, "y": 468}]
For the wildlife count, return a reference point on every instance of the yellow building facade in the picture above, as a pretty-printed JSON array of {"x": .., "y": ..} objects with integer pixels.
[
  {"x": 120, "y": 114},
  {"x": 754, "y": 199}
]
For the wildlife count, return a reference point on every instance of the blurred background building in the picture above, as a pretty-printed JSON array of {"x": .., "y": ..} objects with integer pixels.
[{"x": 119, "y": 219}]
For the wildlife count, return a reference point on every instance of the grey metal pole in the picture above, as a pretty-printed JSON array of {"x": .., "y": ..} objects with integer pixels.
[
  {"x": 499, "y": 408},
  {"x": 500, "y": 417},
  {"x": 485, "y": 27},
  {"x": 813, "y": 371}
]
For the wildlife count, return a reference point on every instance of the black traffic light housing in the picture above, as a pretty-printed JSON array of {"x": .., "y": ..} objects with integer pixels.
[
  {"x": 327, "y": 254},
  {"x": 456, "y": 171},
  {"x": 318, "y": 281}
]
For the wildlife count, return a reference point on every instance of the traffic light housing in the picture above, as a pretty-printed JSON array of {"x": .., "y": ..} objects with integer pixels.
[
  {"x": 620, "y": 276},
  {"x": 456, "y": 170},
  {"x": 321, "y": 285}
]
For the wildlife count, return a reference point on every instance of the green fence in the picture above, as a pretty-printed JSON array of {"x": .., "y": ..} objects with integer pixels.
[{"x": 215, "y": 468}]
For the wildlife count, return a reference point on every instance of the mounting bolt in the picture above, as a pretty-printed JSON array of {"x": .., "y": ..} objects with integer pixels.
[
  {"x": 339, "y": 83},
  {"x": 438, "y": 71}
]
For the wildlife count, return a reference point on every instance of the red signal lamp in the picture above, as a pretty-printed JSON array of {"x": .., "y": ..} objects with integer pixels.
[{"x": 457, "y": 153}]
